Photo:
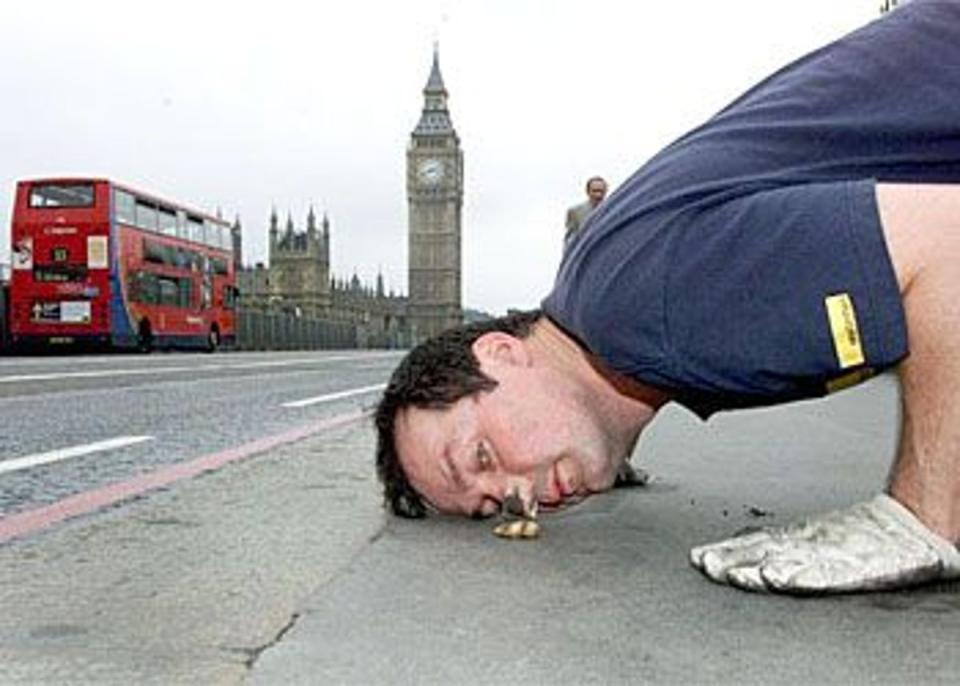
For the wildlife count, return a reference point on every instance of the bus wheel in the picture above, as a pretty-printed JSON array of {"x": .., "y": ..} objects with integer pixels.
[
  {"x": 145, "y": 336},
  {"x": 213, "y": 340}
]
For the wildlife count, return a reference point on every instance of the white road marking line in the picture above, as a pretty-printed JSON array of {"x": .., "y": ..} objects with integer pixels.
[
  {"x": 21, "y": 524},
  {"x": 15, "y": 361},
  {"x": 66, "y": 453},
  {"x": 335, "y": 396},
  {"x": 19, "y": 378}
]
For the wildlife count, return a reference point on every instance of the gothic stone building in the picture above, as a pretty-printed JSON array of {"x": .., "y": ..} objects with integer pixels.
[
  {"x": 300, "y": 266},
  {"x": 299, "y": 279},
  {"x": 299, "y": 282},
  {"x": 435, "y": 200}
]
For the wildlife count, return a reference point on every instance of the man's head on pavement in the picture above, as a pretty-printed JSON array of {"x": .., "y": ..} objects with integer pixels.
[
  {"x": 508, "y": 406},
  {"x": 596, "y": 189}
]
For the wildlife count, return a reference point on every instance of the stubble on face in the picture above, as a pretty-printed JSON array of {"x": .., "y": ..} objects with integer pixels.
[
  {"x": 427, "y": 443},
  {"x": 548, "y": 450}
]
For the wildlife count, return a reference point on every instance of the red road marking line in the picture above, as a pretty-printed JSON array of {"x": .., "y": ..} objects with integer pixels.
[{"x": 31, "y": 521}]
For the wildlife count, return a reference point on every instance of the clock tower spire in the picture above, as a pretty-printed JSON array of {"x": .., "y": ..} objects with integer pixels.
[{"x": 435, "y": 201}]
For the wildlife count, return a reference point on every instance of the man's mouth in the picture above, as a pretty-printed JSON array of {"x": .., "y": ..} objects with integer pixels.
[{"x": 557, "y": 496}]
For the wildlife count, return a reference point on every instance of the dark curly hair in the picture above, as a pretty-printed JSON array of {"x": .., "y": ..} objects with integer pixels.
[{"x": 435, "y": 374}]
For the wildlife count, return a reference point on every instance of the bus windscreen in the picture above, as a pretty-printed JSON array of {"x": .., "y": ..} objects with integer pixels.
[{"x": 61, "y": 195}]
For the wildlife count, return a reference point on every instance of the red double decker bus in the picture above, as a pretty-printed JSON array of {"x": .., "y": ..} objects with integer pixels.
[{"x": 99, "y": 264}]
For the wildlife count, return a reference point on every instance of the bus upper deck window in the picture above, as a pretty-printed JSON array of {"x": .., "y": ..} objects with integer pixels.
[
  {"x": 195, "y": 229},
  {"x": 168, "y": 221},
  {"x": 61, "y": 195},
  {"x": 225, "y": 242},
  {"x": 210, "y": 233},
  {"x": 124, "y": 205},
  {"x": 146, "y": 215},
  {"x": 182, "y": 225}
]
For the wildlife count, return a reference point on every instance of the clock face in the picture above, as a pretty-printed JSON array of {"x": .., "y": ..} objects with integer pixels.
[{"x": 430, "y": 171}]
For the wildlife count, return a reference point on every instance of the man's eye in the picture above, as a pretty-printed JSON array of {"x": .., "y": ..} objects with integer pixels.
[{"x": 484, "y": 460}]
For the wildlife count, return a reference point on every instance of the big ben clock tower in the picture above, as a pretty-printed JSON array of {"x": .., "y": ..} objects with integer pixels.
[{"x": 435, "y": 197}]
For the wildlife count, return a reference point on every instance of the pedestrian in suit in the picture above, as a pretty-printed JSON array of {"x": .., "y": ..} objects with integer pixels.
[{"x": 596, "y": 189}]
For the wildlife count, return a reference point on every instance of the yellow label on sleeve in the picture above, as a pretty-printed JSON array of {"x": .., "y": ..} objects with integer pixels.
[{"x": 846, "y": 333}]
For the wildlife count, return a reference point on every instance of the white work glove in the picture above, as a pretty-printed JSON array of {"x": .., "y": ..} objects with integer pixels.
[{"x": 871, "y": 546}]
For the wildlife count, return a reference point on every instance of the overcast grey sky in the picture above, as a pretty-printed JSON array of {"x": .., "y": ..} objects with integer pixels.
[{"x": 246, "y": 105}]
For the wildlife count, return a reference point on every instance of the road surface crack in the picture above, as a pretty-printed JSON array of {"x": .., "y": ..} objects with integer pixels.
[{"x": 253, "y": 654}]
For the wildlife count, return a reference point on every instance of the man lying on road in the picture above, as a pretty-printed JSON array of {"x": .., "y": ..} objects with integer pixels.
[{"x": 802, "y": 240}]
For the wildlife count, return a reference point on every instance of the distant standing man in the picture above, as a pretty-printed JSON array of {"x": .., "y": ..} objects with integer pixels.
[{"x": 577, "y": 215}]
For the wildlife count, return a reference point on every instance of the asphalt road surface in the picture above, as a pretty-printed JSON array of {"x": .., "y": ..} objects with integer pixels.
[
  {"x": 279, "y": 566},
  {"x": 69, "y": 424}
]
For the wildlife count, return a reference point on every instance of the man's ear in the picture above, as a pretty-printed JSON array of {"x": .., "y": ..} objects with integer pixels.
[{"x": 497, "y": 347}]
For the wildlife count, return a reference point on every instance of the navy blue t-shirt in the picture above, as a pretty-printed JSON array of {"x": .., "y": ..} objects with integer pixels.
[{"x": 745, "y": 264}]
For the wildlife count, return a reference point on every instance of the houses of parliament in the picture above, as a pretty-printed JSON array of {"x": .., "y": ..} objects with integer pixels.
[{"x": 299, "y": 280}]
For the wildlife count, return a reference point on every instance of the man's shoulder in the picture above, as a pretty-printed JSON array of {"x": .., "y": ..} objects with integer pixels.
[{"x": 580, "y": 208}]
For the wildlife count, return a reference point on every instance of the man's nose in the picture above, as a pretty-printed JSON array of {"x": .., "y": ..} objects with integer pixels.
[{"x": 519, "y": 497}]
